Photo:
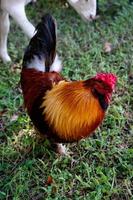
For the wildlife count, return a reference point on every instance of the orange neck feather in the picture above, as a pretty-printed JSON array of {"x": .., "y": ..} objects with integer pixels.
[{"x": 72, "y": 110}]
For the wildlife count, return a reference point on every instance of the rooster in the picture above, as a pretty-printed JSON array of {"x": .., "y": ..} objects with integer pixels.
[{"x": 61, "y": 110}]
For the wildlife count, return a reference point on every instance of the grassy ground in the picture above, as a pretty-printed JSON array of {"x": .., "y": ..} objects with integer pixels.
[{"x": 101, "y": 167}]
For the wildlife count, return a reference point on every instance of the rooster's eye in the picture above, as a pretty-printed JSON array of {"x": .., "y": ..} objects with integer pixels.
[{"x": 95, "y": 92}]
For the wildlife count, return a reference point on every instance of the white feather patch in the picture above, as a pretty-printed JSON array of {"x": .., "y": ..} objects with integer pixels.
[
  {"x": 57, "y": 65},
  {"x": 37, "y": 64}
]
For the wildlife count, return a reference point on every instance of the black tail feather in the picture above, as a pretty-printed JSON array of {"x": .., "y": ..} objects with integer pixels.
[{"x": 43, "y": 43}]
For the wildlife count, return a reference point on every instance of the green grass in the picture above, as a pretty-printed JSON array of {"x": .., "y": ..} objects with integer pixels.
[{"x": 101, "y": 167}]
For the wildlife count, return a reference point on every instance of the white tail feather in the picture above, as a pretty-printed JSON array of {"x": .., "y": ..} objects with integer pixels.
[
  {"x": 39, "y": 64},
  {"x": 57, "y": 65}
]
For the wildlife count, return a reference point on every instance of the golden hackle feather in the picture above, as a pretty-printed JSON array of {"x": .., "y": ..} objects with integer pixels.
[{"x": 72, "y": 110}]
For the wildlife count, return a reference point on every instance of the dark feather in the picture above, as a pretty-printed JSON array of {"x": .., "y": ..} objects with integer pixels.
[{"x": 43, "y": 43}]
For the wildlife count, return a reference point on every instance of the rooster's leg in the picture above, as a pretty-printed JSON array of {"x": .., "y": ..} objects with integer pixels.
[{"x": 61, "y": 149}]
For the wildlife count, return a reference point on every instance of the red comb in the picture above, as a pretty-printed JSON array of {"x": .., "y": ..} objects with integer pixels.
[{"x": 108, "y": 78}]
